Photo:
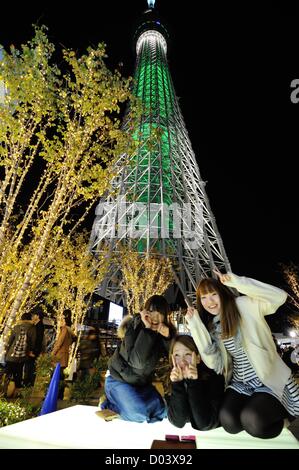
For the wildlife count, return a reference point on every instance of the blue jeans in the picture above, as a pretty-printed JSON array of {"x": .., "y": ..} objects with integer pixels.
[{"x": 134, "y": 403}]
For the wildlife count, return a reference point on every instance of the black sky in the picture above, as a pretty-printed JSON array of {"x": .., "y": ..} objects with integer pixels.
[{"x": 232, "y": 68}]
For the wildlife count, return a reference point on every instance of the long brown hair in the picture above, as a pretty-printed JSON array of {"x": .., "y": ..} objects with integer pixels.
[{"x": 230, "y": 315}]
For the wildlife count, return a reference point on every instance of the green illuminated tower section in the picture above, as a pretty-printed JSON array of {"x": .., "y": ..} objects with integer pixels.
[
  {"x": 151, "y": 179},
  {"x": 161, "y": 205}
]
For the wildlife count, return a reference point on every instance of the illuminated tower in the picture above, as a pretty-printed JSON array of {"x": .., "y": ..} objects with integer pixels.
[{"x": 159, "y": 204}]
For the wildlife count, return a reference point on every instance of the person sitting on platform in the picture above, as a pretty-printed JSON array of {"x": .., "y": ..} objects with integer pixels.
[
  {"x": 128, "y": 387},
  {"x": 196, "y": 391},
  {"x": 233, "y": 337}
]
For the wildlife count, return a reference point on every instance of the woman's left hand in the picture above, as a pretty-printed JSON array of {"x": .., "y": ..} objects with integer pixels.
[{"x": 163, "y": 330}]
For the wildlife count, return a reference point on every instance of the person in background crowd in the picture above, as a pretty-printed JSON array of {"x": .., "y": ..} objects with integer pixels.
[
  {"x": 30, "y": 364},
  {"x": 89, "y": 349},
  {"x": 20, "y": 345},
  {"x": 61, "y": 349}
]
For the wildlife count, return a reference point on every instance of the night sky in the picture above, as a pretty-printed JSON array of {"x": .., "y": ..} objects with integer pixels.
[{"x": 232, "y": 68}]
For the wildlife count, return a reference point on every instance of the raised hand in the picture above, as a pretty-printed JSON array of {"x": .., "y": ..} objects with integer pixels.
[
  {"x": 146, "y": 318},
  {"x": 190, "y": 371},
  {"x": 223, "y": 278},
  {"x": 176, "y": 374},
  {"x": 163, "y": 330},
  {"x": 190, "y": 312}
]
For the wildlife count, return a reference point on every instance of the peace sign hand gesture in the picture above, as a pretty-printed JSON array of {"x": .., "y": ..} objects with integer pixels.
[
  {"x": 223, "y": 278},
  {"x": 176, "y": 374},
  {"x": 190, "y": 371}
]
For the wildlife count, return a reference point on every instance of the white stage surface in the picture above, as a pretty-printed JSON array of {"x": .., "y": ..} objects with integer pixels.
[{"x": 78, "y": 427}]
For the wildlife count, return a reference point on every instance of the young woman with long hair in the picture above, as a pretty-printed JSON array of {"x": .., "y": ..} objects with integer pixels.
[
  {"x": 146, "y": 338},
  {"x": 234, "y": 338}
]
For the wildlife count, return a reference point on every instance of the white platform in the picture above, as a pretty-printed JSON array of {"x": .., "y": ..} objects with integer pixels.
[{"x": 78, "y": 427}]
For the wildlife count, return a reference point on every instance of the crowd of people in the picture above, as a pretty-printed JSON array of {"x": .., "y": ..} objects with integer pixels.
[{"x": 28, "y": 340}]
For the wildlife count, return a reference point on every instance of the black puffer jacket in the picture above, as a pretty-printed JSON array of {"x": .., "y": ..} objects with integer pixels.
[{"x": 135, "y": 359}]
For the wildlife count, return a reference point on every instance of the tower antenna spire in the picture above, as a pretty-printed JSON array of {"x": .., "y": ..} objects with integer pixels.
[{"x": 151, "y": 3}]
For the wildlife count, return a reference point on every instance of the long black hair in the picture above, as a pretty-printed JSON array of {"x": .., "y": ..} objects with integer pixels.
[{"x": 158, "y": 303}]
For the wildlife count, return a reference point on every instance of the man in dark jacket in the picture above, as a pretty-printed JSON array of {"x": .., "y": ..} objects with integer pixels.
[
  {"x": 20, "y": 345},
  {"x": 30, "y": 365}
]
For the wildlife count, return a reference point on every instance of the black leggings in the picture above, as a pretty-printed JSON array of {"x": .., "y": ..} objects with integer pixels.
[{"x": 260, "y": 414}]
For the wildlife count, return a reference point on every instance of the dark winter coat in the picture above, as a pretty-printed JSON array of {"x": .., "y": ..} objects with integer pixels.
[
  {"x": 39, "y": 343},
  {"x": 135, "y": 359},
  {"x": 89, "y": 351},
  {"x": 29, "y": 328},
  {"x": 197, "y": 401}
]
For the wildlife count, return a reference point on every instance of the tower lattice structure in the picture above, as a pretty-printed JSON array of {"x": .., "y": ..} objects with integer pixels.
[{"x": 159, "y": 191}]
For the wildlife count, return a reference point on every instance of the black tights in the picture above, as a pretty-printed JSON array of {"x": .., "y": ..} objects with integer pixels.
[{"x": 260, "y": 414}]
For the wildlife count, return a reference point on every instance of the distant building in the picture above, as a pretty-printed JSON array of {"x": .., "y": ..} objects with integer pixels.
[{"x": 286, "y": 340}]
